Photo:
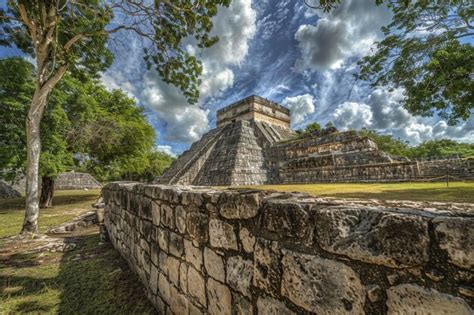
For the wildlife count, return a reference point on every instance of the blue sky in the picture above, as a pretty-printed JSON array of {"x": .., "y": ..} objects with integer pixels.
[{"x": 282, "y": 50}]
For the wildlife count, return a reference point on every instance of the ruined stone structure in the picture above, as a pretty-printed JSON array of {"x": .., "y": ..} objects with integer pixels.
[
  {"x": 198, "y": 250},
  {"x": 75, "y": 180},
  {"x": 253, "y": 144}
]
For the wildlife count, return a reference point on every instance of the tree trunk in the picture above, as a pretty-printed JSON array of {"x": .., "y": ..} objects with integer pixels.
[
  {"x": 47, "y": 191},
  {"x": 33, "y": 148}
]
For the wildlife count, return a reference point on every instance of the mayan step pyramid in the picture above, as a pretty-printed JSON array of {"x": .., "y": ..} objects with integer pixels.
[{"x": 253, "y": 145}]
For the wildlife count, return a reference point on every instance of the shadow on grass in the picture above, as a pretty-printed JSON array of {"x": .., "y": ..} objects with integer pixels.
[
  {"x": 93, "y": 279},
  {"x": 454, "y": 194}
]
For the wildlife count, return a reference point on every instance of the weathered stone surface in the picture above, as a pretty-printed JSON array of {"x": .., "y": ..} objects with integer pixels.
[
  {"x": 163, "y": 262},
  {"x": 214, "y": 264},
  {"x": 374, "y": 292},
  {"x": 196, "y": 285},
  {"x": 155, "y": 213},
  {"x": 197, "y": 224},
  {"x": 220, "y": 298},
  {"x": 173, "y": 270},
  {"x": 183, "y": 277},
  {"x": 287, "y": 218},
  {"x": 162, "y": 235},
  {"x": 394, "y": 240},
  {"x": 239, "y": 206},
  {"x": 456, "y": 237},
  {"x": 306, "y": 281},
  {"x": 193, "y": 254},
  {"x": 222, "y": 234},
  {"x": 153, "y": 279},
  {"x": 413, "y": 299},
  {"x": 241, "y": 306},
  {"x": 179, "y": 303},
  {"x": 269, "y": 306},
  {"x": 267, "y": 266},
  {"x": 167, "y": 216},
  {"x": 164, "y": 288},
  {"x": 247, "y": 240},
  {"x": 239, "y": 274},
  {"x": 176, "y": 246},
  {"x": 180, "y": 215},
  {"x": 194, "y": 310}
]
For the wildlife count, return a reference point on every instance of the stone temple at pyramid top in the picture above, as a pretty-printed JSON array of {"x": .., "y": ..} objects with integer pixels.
[{"x": 255, "y": 108}]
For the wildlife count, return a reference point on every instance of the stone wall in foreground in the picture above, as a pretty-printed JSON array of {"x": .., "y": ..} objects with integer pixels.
[{"x": 203, "y": 251}]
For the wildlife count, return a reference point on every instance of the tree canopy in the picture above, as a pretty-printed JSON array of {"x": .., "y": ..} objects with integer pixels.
[
  {"x": 426, "y": 149},
  {"x": 423, "y": 53},
  {"x": 85, "y": 127}
]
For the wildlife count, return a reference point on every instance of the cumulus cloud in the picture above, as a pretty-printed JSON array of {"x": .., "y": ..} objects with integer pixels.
[
  {"x": 382, "y": 110},
  {"x": 186, "y": 123},
  {"x": 349, "y": 30},
  {"x": 352, "y": 115},
  {"x": 167, "y": 149},
  {"x": 300, "y": 107}
]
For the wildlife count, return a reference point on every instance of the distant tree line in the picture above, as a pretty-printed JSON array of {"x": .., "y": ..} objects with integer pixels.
[{"x": 84, "y": 128}]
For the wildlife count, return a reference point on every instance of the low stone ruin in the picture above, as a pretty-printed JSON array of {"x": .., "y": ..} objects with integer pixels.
[
  {"x": 199, "y": 250},
  {"x": 7, "y": 191},
  {"x": 76, "y": 181}
]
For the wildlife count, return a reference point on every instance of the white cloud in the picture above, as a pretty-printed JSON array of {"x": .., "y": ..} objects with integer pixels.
[
  {"x": 382, "y": 110},
  {"x": 349, "y": 30},
  {"x": 167, "y": 149},
  {"x": 352, "y": 115},
  {"x": 186, "y": 123},
  {"x": 300, "y": 107}
]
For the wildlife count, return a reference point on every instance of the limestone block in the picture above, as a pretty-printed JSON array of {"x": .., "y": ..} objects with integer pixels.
[
  {"x": 180, "y": 219},
  {"x": 153, "y": 279},
  {"x": 220, "y": 298},
  {"x": 390, "y": 239},
  {"x": 193, "y": 254},
  {"x": 146, "y": 208},
  {"x": 155, "y": 213},
  {"x": 287, "y": 219},
  {"x": 173, "y": 270},
  {"x": 456, "y": 237},
  {"x": 412, "y": 299},
  {"x": 247, "y": 240},
  {"x": 267, "y": 266},
  {"x": 269, "y": 306},
  {"x": 239, "y": 274},
  {"x": 241, "y": 306},
  {"x": 197, "y": 225},
  {"x": 239, "y": 205},
  {"x": 306, "y": 281},
  {"x": 163, "y": 262},
  {"x": 162, "y": 236},
  {"x": 164, "y": 288},
  {"x": 179, "y": 303},
  {"x": 176, "y": 246},
  {"x": 146, "y": 228},
  {"x": 214, "y": 264},
  {"x": 155, "y": 250},
  {"x": 196, "y": 285},
  {"x": 183, "y": 277},
  {"x": 222, "y": 235},
  {"x": 167, "y": 216}
]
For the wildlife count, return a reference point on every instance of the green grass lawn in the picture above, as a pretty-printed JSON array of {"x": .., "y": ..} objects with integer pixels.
[
  {"x": 92, "y": 279},
  {"x": 67, "y": 204},
  {"x": 457, "y": 191}
]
